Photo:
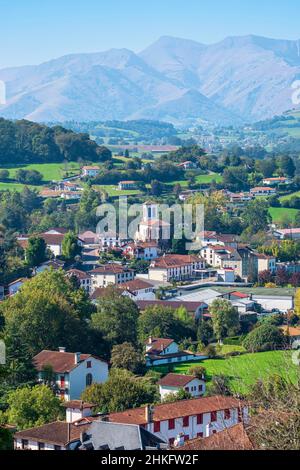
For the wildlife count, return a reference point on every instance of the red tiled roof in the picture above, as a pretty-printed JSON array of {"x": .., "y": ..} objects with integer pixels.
[
  {"x": 78, "y": 404},
  {"x": 136, "y": 284},
  {"x": 158, "y": 345},
  {"x": 111, "y": 268},
  {"x": 173, "y": 261},
  {"x": 58, "y": 433},
  {"x": 177, "y": 409},
  {"x": 78, "y": 273},
  {"x": 233, "y": 438},
  {"x": 240, "y": 295},
  {"x": 52, "y": 239},
  {"x": 176, "y": 380},
  {"x": 59, "y": 361}
]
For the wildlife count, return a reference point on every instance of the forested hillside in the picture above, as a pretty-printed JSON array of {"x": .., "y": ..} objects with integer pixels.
[{"x": 28, "y": 142}]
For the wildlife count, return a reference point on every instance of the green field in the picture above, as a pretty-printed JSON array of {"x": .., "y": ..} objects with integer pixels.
[
  {"x": 50, "y": 171},
  {"x": 16, "y": 187},
  {"x": 289, "y": 196},
  {"x": 281, "y": 214},
  {"x": 112, "y": 190},
  {"x": 200, "y": 179},
  {"x": 243, "y": 371}
]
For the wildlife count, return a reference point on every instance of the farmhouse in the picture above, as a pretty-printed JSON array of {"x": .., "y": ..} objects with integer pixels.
[
  {"x": 276, "y": 181},
  {"x": 90, "y": 171},
  {"x": 199, "y": 417},
  {"x": 73, "y": 371},
  {"x": 84, "y": 431},
  {"x": 263, "y": 191},
  {"x": 126, "y": 185},
  {"x": 160, "y": 351},
  {"x": 173, "y": 383}
]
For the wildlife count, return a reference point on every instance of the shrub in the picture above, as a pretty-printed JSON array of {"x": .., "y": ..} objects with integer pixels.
[
  {"x": 198, "y": 371},
  {"x": 264, "y": 338}
]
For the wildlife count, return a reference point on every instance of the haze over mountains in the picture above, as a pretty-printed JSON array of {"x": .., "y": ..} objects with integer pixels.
[{"x": 240, "y": 79}]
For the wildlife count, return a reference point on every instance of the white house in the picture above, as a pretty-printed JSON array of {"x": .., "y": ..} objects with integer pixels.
[
  {"x": 199, "y": 417},
  {"x": 276, "y": 181},
  {"x": 84, "y": 431},
  {"x": 263, "y": 191},
  {"x": 175, "y": 267},
  {"x": 287, "y": 234},
  {"x": 160, "y": 351},
  {"x": 141, "y": 250},
  {"x": 138, "y": 289},
  {"x": 58, "y": 435},
  {"x": 173, "y": 383},
  {"x": 110, "y": 274},
  {"x": 90, "y": 171},
  {"x": 84, "y": 278},
  {"x": 73, "y": 371},
  {"x": 127, "y": 185}
]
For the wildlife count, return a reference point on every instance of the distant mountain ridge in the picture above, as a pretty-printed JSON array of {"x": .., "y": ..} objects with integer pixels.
[{"x": 240, "y": 79}]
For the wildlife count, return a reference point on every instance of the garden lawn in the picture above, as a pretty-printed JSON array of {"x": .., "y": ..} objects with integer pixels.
[
  {"x": 280, "y": 214},
  {"x": 243, "y": 371}
]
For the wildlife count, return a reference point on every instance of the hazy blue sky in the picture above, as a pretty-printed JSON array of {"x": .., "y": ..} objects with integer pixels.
[{"x": 32, "y": 31}]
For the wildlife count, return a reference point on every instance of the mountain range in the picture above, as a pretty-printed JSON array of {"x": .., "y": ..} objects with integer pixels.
[{"x": 240, "y": 79}]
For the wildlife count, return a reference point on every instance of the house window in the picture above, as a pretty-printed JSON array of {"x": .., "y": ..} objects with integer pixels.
[
  {"x": 24, "y": 444},
  {"x": 199, "y": 434},
  {"x": 186, "y": 421},
  {"x": 171, "y": 423},
  {"x": 199, "y": 419},
  {"x": 227, "y": 414},
  {"x": 213, "y": 416},
  {"x": 41, "y": 446},
  {"x": 89, "y": 364},
  {"x": 157, "y": 426},
  {"x": 89, "y": 380},
  {"x": 186, "y": 437},
  {"x": 187, "y": 389},
  {"x": 171, "y": 441},
  {"x": 62, "y": 381},
  {"x": 200, "y": 388},
  {"x": 57, "y": 448}
]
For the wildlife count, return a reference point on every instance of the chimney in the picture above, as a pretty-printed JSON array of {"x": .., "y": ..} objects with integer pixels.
[
  {"x": 150, "y": 339},
  {"x": 77, "y": 357},
  {"x": 148, "y": 414},
  {"x": 62, "y": 349}
]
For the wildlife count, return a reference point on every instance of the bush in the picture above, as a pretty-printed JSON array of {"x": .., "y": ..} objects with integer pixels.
[
  {"x": 198, "y": 371},
  {"x": 211, "y": 351},
  {"x": 266, "y": 337}
]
